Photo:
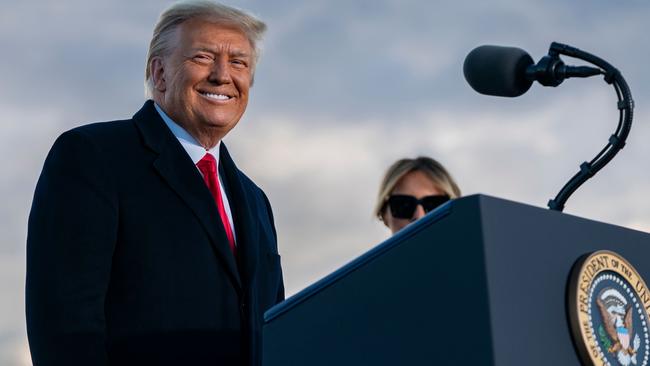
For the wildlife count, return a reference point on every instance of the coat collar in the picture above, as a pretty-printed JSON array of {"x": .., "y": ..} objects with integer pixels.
[
  {"x": 246, "y": 224},
  {"x": 177, "y": 170}
]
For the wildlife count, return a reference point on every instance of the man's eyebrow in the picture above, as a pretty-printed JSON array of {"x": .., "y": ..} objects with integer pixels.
[
  {"x": 238, "y": 53},
  {"x": 233, "y": 53}
]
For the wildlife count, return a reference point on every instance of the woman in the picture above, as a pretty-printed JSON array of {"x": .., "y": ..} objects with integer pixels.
[{"x": 410, "y": 189}]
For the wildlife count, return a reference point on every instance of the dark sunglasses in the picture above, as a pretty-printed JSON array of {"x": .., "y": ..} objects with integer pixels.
[{"x": 403, "y": 206}]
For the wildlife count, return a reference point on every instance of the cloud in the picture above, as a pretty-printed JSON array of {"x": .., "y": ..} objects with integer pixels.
[{"x": 13, "y": 341}]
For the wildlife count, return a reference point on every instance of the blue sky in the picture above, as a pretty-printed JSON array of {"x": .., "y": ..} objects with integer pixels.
[{"x": 343, "y": 89}]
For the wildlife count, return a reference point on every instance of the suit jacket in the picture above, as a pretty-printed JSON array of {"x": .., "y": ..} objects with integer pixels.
[{"x": 127, "y": 259}]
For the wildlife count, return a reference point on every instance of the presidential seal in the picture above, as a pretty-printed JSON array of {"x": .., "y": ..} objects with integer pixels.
[{"x": 608, "y": 310}]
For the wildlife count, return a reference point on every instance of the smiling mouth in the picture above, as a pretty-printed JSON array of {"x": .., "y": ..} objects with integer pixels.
[{"x": 220, "y": 97}]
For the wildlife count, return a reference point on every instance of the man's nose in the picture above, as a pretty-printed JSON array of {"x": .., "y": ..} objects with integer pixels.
[
  {"x": 220, "y": 73},
  {"x": 419, "y": 212}
]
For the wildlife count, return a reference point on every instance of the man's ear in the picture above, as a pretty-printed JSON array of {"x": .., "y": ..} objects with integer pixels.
[{"x": 157, "y": 70}]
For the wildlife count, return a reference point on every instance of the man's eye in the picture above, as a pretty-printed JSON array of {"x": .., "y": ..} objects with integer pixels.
[
  {"x": 238, "y": 63},
  {"x": 203, "y": 58}
]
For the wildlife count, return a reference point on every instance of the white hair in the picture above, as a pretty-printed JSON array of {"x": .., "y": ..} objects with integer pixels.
[{"x": 175, "y": 15}]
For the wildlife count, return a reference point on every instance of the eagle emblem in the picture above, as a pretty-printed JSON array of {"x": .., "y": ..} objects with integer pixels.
[{"x": 617, "y": 320}]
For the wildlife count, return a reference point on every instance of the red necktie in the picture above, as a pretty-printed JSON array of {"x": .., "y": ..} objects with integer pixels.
[{"x": 208, "y": 166}]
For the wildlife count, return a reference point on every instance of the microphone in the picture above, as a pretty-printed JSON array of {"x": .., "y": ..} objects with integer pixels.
[{"x": 510, "y": 71}]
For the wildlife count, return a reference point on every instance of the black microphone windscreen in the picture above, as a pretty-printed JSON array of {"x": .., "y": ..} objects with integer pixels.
[{"x": 497, "y": 70}]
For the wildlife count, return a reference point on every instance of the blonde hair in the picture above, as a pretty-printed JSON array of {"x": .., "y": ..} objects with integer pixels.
[
  {"x": 178, "y": 13},
  {"x": 433, "y": 169}
]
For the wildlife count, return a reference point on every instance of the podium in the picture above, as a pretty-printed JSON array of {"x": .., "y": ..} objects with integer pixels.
[{"x": 478, "y": 281}]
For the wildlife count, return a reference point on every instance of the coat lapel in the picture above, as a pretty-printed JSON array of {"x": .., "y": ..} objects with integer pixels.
[
  {"x": 246, "y": 224},
  {"x": 178, "y": 171}
]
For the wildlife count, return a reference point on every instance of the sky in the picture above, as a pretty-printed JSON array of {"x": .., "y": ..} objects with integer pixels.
[{"x": 343, "y": 89}]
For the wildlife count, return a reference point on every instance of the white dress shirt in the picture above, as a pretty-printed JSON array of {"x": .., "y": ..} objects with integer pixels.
[{"x": 196, "y": 153}]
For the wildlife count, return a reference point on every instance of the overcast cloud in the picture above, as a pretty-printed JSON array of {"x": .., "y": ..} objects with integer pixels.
[{"x": 343, "y": 89}]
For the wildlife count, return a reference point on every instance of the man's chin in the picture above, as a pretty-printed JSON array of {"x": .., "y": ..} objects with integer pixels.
[{"x": 219, "y": 126}]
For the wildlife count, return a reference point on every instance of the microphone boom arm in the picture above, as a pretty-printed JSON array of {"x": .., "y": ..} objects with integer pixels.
[{"x": 625, "y": 106}]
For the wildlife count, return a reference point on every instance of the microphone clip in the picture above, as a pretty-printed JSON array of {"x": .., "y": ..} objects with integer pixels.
[{"x": 549, "y": 71}]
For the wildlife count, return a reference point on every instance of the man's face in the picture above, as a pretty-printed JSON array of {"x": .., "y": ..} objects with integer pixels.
[{"x": 203, "y": 83}]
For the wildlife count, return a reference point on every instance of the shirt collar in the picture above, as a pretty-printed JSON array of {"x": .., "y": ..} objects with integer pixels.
[{"x": 189, "y": 143}]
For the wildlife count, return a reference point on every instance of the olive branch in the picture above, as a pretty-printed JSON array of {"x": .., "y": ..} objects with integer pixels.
[{"x": 607, "y": 343}]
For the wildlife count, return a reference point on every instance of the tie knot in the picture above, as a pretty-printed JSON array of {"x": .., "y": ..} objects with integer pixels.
[{"x": 208, "y": 163}]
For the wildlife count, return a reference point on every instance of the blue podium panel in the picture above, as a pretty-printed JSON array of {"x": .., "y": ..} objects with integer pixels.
[{"x": 529, "y": 254}]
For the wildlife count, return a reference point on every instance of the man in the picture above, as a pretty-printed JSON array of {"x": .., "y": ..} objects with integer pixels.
[{"x": 146, "y": 244}]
